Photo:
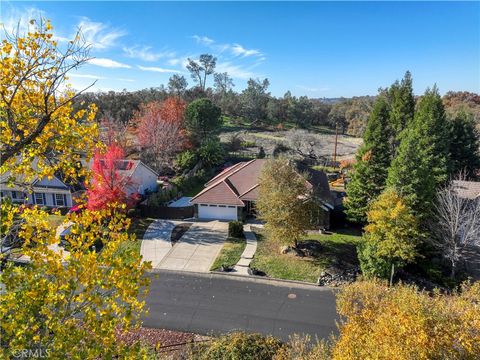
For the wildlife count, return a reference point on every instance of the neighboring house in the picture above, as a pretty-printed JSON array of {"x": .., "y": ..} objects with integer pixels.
[
  {"x": 43, "y": 192},
  {"x": 143, "y": 179},
  {"x": 231, "y": 195},
  {"x": 55, "y": 193},
  {"x": 467, "y": 189}
]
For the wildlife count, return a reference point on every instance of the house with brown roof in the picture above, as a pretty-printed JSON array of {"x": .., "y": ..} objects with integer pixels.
[{"x": 231, "y": 195}]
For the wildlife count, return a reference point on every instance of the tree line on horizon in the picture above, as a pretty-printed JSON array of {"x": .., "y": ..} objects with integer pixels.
[{"x": 255, "y": 104}]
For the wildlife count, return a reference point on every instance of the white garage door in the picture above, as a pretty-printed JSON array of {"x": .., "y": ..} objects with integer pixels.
[{"x": 217, "y": 212}]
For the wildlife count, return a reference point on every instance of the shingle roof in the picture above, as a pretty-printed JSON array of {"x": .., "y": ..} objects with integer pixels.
[
  {"x": 239, "y": 183},
  {"x": 467, "y": 189}
]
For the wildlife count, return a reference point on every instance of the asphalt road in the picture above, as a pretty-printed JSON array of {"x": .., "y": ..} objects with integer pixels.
[{"x": 216, "y": 304}]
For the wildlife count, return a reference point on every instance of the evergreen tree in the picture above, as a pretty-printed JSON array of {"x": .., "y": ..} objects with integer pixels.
[
  {"x": 464, "y": 144},
  {"x": 402, "y": 107},
  {"x": 373, "y": 160},
  {"x": 421, "y": 164}
]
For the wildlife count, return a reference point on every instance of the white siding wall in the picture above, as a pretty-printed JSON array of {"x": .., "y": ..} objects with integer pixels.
[{"x": 143, "y": 178}]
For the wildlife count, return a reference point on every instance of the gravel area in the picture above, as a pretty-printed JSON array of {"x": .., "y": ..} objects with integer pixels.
[{"x": 159, "y": 338}]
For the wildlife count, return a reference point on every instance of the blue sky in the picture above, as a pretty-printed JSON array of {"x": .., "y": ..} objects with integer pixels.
[{"x": 319, "y": 49}]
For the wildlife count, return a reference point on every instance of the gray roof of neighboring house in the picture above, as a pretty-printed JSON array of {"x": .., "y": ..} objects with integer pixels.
[{"x": 467, "y": 189}]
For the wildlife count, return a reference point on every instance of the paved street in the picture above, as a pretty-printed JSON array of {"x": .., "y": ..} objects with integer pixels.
[{"x": 211, "y": 303}]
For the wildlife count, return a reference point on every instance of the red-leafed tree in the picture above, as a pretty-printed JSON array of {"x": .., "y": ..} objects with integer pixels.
[
  {"x": 160, "y": 130},
  {"x": 110, "y": 180}
]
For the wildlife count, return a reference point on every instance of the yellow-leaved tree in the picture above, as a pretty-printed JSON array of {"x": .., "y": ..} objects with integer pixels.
[
  {"x": 284, "y": 201},
  {"x": 402, "y": 323},
  {"x": 70, "y": 300},
  {"x": 37, "y": 122},
  {"x": 391, "y": 236}
]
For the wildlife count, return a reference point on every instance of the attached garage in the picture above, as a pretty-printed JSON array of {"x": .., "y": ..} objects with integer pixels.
[{"x": 218, "y": 212}]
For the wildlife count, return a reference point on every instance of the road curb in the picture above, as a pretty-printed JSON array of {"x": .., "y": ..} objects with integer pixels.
[{"x": 248, "y": 278}]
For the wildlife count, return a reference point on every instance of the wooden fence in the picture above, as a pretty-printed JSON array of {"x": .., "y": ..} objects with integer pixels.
[{"x": 165, "y": 212}]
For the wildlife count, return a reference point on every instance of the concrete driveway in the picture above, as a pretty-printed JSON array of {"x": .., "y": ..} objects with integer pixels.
[
  {"x": 197, "y": 248},
  {"x": 156, "y": 241}
]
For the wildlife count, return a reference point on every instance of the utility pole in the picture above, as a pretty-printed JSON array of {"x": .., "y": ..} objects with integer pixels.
[{"x": 336, "y": 140}]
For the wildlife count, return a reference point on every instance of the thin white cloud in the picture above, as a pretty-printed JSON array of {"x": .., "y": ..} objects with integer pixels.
[
  {"x": 235, "y": 48},
  {"x": 87, "y": 76},
  {"x": 15, "y": 19},
  {"x": 204, "y": 40},
  {"x": 146, "y": 53},
  {"x": 125, "y": 80},
  {"x": 157, "y": 69},
  {"x": 108, "y": 63},
  {"x": 239, "y": 50},
  {"x": 99, "y": 35},
  {"x": 235, "y": 71}
]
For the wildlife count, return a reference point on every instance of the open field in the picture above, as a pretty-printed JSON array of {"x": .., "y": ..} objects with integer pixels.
[{"x": 324, "y": 140}]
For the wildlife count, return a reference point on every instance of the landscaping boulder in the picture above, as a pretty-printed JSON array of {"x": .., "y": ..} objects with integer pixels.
[
  {"x": 284, "y": 249},
  {"x": 333, "y": 276}
]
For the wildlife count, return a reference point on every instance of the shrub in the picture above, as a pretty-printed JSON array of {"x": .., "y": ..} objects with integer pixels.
[
  {"x": 235, "y": 229},
  {"x": 238, "y": 346},
  {"x": 248, "y": 143},
  {"x": 186, "y": 160},
  {"x": 261, "y": 153},
  {"x": 280, "y": 149},
  {"x": 234, "y": 142},
  {"x": 211, "y": 152},
  {"x": 400, "y": 322}
]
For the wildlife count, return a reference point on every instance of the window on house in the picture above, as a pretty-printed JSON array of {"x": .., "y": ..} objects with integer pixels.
[
  {"x": 212, "y": 205},
  {"x": 221, "y": 206},
  {"x": 39, "y": 198},
  {"x": 18, "y": 196},
  {"x": 60, "y": 200}
]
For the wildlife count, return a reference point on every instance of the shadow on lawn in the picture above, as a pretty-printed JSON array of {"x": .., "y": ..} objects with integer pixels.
[{"x": 337, "y": 254}]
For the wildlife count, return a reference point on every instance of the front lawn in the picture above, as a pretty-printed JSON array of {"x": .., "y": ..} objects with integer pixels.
[
  {"x": 55, "y": 220},
  {"x": 230, "y": 254},
  {"x": 338, "y": 247},
  {"x": 139, "y": 226}
]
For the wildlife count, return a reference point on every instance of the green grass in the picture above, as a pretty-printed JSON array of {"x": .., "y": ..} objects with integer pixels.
[
  {"x": 230, "y": 254},
  {"x": 328, "y": 169},
  {"x": 55, "y": 220},
  {"x": 269, "y": 137},
  {"x": 138, "y": 227},
  {"x": 338, "y": 246}
]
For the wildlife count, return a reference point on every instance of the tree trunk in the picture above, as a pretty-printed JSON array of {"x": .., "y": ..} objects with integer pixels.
[
  {"x": 391, "y": 274},
  {"x": 452, "y": 273}
]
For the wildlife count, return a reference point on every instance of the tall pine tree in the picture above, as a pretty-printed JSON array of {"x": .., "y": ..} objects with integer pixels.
[
  {"x": 464, "y": 145},
  {"x": 421, "y": 164},
  {"x": 402, "y": 108},
  {"x": 371, "y": 169}
]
